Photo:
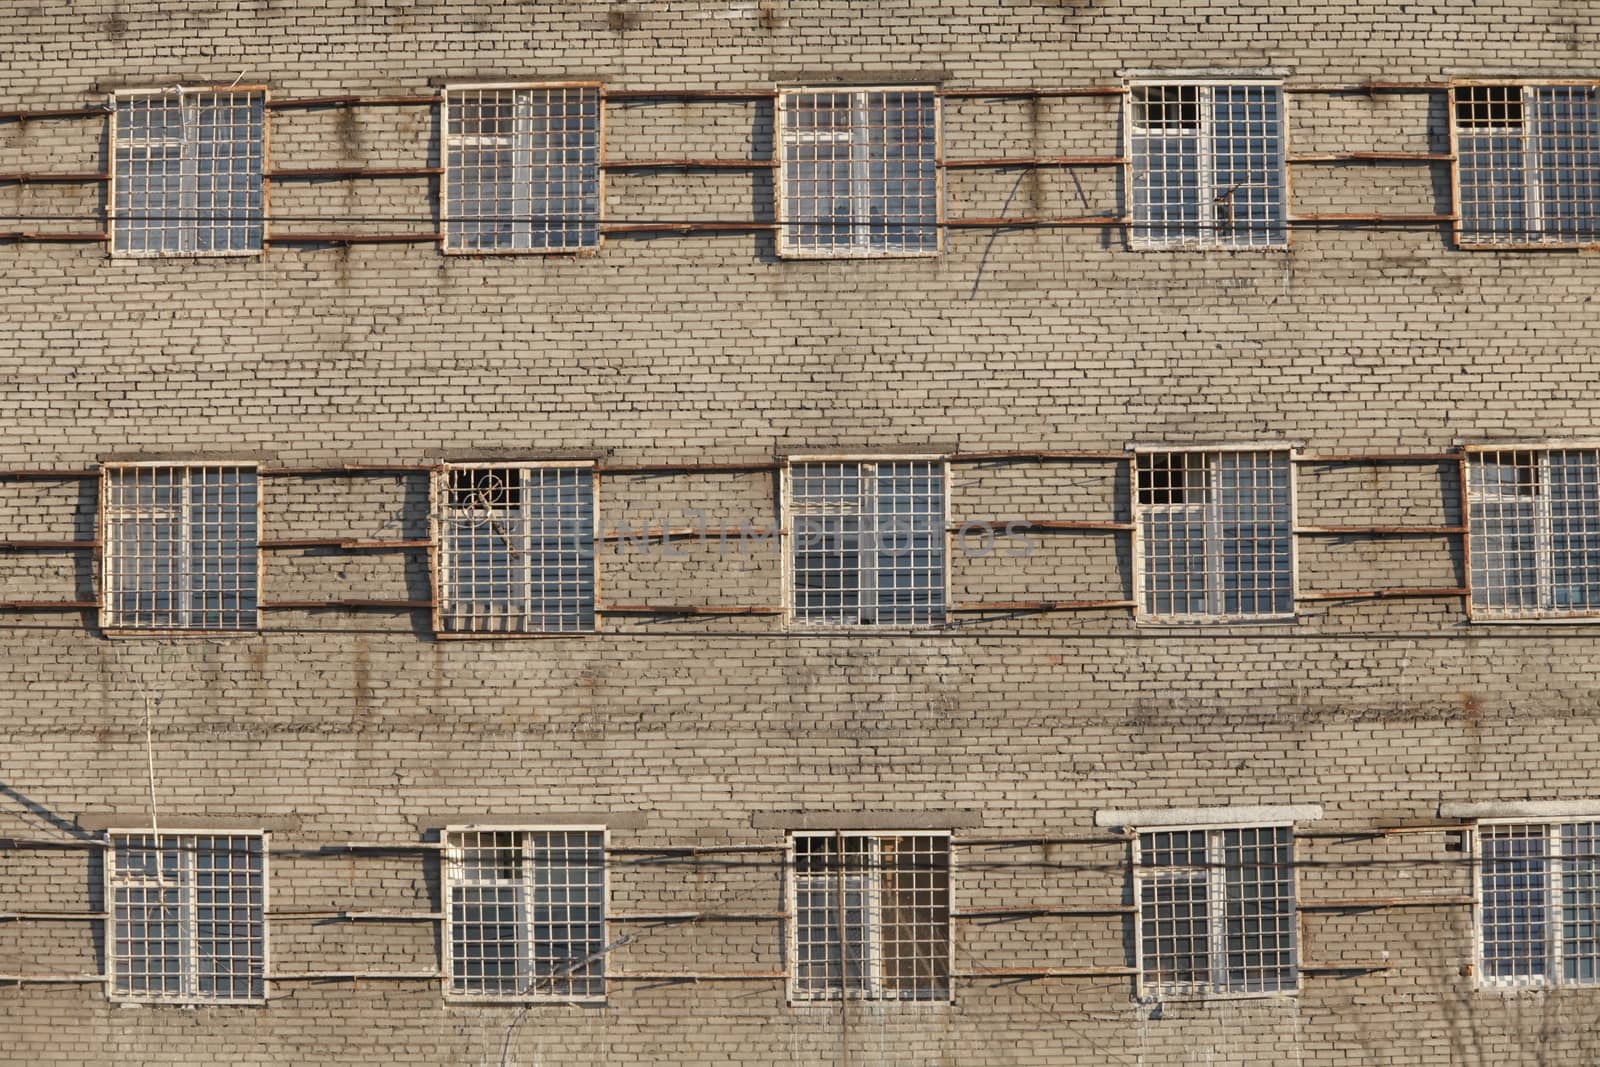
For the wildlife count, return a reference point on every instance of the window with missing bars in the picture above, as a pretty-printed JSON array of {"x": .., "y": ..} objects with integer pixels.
[
  {"x": 867, "y": 542},
  {"x": 1216, "y": 911},
  {"x": 1533, "y": 520},
  {"x": 1539, "y": 903},
  {"x": 187, "y": 917},
  {"x": 525, "y": 914},
  {"x": 870, "y": 916},
  {"x": 521, "y": 168},
  {"x": 514, "y": 549},
  {"x": 179, "y": 547},
  {"x": 1527, "y": 164},
  {"x": 1215, "y": 537},
  {"x": 1207, "y": 165},
  {"x": 859, "y": 172},
  {"x": 187, "y": 172}
]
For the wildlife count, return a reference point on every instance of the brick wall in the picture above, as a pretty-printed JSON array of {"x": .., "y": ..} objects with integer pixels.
[{"x": 338, "y": 726}]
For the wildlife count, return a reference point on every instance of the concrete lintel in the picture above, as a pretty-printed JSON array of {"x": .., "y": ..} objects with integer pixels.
[
  {"x": 141, "y": 821},
  {"x": 865, "y": 820},
  {"x": 611, "y": 820},
  {"x": 1519, "y": 809},
  {"x": 1243, "y": 815}
]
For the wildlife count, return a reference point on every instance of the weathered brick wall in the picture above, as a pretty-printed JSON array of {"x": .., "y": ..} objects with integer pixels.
[{"x": 339, "y": 726}]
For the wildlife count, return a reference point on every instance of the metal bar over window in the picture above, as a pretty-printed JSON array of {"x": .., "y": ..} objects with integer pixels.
[
  {"x": 525, "y": 914},
  {"x": 1207, "y": 165},
  {"x": 187, "y": 172},
  {"x": 1533, "y": 516},
  {"x": 867, "y": 542},
  {"x": 871, "y": 916},
  {"x": 1214, "y": 533},
  {"x": 859, "y": 173},
  {"x": 1527, "y": 164},
  {"x": 179, "y": 547},
  {"x": 188, "y": 917},
  {"x": 1216, "y": 911},
  {"x": 522, "y": 168},
  {"x": 515, "y": 549}
]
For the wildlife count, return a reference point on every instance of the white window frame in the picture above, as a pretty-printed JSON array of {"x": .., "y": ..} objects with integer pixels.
[
  {"x": 448, "y": 882},
  {"x": 442, "y": 565},
  {"x": 872, "y": 921},
  {"x": 861, "y": 245},
  {"x": 1535, "y": 224},
  {"x": 448, "y": 179},
  {"x": 111, "y": 559},
  {"x": 188, "y": 229},
  {"x": 790, "y": 535},
  {"x": 1554, "y": 956},
  {"x": 190, "y": 978},
  {"x": 1217, "y": 987},
  {"x": 1210, "y": 510},
  {"x": 1544, "y": 536},
  {"x": 1207, "y": 237}
]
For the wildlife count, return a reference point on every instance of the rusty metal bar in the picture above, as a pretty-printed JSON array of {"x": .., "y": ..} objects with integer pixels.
[
  {"x": 1039, "y": 606},
  {"x": 679, "y": 609},
  {"x": 1374, "y": 903},
  {"x": 1344, "y": 968},
  {"x": 1372, "y": 87},
  {"x": 1385, "y": 594},
  {"x": 657, "y": 533},
  {"x": 1037, "y": 161},
  {"x": 1374, "y": 157},
  {"x": 1030, "y": 222},
  {"x": 359, "y": 916},
  {"x": 695, "y": 976},
  {"x": 311, "y": 173},
  {"x": 55, "y": 113},
  {"x": 48, "y": 605},
  {"x": 46, "y": 178},
  {"x": 1007, "y": 913},
  {"x": 353, "y": 976},
  {"x": 1105, "y": 839},
  {"x": 52, "y": 979},
  {"x": 696, "y": 916},
  {"x": 32, "y": 546},
  {"x": 52, "y": 916},
  {"x": 351, "y": 238},
  {"x": 1040, "y": 524},
  {"x": 686, "y": 228},
  {"x": 1049, "y": 972},
  {"x": 1379, "y": 457},
  {"x": 676, "y": 468},
  {"x": 689, "y": 164},
  {"x": 93, "y": 472},
  {"x": 34, "y": 235},
  {"x": 1085, "y": 90},
  {"x": 691, "y": 94},
  {"x": 348, "y": 101},
  {"x": 337, "y": 542},
  {"x": 1300, "y": 220},
  {"x": 348, "y": 468},
  {"x": 1381, "y": 531},
  {"x": 314, "y": 605},
  {"x": 1038, "y": 454},
  {"x": 690, "y": 850}
]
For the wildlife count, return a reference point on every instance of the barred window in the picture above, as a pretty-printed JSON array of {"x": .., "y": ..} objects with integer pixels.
[
  {"x": 187, "y": 172},
  {"x": 1216, "y": 911},
  {"x": 1527, "y": 164},
  {"x": 521, "y": 168},
  {"x": 860, "y": 172},
  {"x": 1215, "y": 536},
  {"x": 1539, "y": 903},
  {"x": 514, "y": 549},
  {"x": 871, "y": 916},
  {"x": 1534, "y": 532},
  {"x": 525, "y": 914},
  {"x": 1208, "y": 165},
  {"x": 188, "y": 917},
  {"x": 867, "y": 542},
  {"x": 179, "y": 547}
]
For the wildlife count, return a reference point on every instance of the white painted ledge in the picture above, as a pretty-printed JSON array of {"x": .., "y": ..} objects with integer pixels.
[{"x": 1243, "y": 815}]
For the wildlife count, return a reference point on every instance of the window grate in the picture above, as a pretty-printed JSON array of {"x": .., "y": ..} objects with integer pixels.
[
  {"x": 860, "y": 174},
  {"x": 522, "y": 169},
  {"x": 515, "y": 549},
  {"x": 180, "y": 547},
  {"x": 526, "y": 914},
  {"x": 1207, "y": 166},
  {"x": 1527, "y": 164},
  {"x": 1215, "y": 533},
  {"x": 867, "y": 542},
  {"x": 1534, "y": 532},
  {"x": 871, "y": 916},
  {"x": 187, "y": 176},
  {"x": 1539, "y": 903},
  {"x": 188, "y": 917},
  {"x": 1216, "y": 911}
]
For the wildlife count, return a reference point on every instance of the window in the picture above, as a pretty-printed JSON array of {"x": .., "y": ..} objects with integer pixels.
[
  {"x": 1527, "y": 164},
  {"x": 1208, "y": 165},
  {"x": 188, "y": 917},
  {"x": 179, "y": 547},
  {"x": 867, "y": 542},
  {"x": 525, "y": 916},
  {"x": 1539, "y": 903},
  {"x": 514, "y": 548},
  {"x": 1216, "y": 911},
  {"x": 1214, "y": 533},
  {"x": 187, "y": 173},
  {"x": 860, "y": 172},
  {"x": 521, "y": 168},
  {"x": 1534, "y": 526},
  {"x": 871, "y": 916}
]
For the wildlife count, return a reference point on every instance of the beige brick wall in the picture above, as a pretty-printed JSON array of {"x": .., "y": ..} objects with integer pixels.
[{"x": 357, "y": 726}]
